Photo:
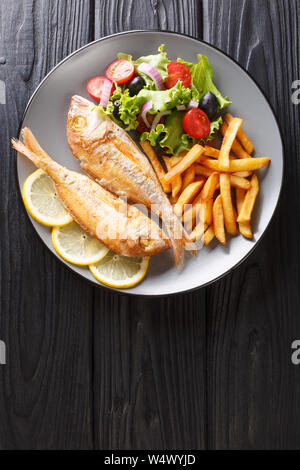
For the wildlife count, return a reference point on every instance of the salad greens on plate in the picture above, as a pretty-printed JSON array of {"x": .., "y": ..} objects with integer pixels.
[{"x": 173, "y": 104}]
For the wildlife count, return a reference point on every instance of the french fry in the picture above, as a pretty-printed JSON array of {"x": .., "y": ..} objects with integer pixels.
[
  {"x": 157, "y": 166},
  {"x": 177, "y": 182},
  {"x": 249, "y": 201},
  {"x": 236, "y": 146},
  {"x": 228, "y": 140},
  {"x": 238, "y": 182},
  {"x": 214, "y": 153},
  {"x": 245, "y": 164},
  {"x": 188, "y": 176},
  {"x": 193, "y": 155},
  {"x": 244, "y": 227},
  {"x": 211, "y": 152},
  {"x": 174, "y": 160},
  {"x": 242, "y": 136},
  {"x": 229, "y": 216},
  {"x": 218, "y": 220},
  {"x": 187, "y": 196},
  {"x": 198, "y": 231},
  {"x": 204, "y": 211},
  {"x": 243, "y": 174},
  {"x": 208, "y": 235},
  {"x": 202, "y": 170},
  {"x": 210, "y": 187}
]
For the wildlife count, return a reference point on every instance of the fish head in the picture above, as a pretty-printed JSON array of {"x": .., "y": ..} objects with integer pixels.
[{"x": 86, "y": 124}]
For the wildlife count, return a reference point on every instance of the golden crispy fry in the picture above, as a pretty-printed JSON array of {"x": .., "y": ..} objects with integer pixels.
[
  {"x": 228, "y": 140},
  {"x": 244, "y": 227},
  {"x": 204, "y": 211},
  {"x": 202, "y": 170},
  {"x": 208, "y": 235},
  {"x": 173, "y": 199},
  {"x": 177, "y": 183},
  {"x": 245, "y": 164},
  {"x": 193, "y": 155},
  {"x": 242, "y": 136},
  {"x": 229, "y": 216},
  {"x": 236, "y": 146},
  {"x": 214, "y": 153},
  {"x": 198, "y": 231},
  {"x": 157, "y": 166},
  {"x": 243, "y": 174},
  {"x": 248, "y": 204},
  {"x": 188, "y": 176},
  {"x": 218, "y": 220},
  {"x": 210, "y": 186},
  {"x": 238, "y": 182},
  {"x": 174, "y": 160},
  {"x": 211, "y": 152},
  {"x": 187, "y": 196}
]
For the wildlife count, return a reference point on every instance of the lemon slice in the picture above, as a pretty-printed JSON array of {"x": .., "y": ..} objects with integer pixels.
[
  {"x": 42, "y": 202},
  {"x": 119, "y": 271},
  {"x": 76, "y": 246}
]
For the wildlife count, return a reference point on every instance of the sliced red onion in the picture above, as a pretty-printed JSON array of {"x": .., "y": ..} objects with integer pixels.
[
  {"x": 181, "y": 107},
  {"x": 147, "y": 69},
  {"x": 106, "y": 90},
  {"x": 193, "y": 104},
  {"x": 158, "y": 118},
  {"x": 145, "y": 108}
]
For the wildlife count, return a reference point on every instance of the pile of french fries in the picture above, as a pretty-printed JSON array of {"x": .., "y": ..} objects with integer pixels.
[{"x": 203, "y": 183}]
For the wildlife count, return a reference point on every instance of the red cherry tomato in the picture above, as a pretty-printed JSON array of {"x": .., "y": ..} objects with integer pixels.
[
  {"x": 178, "y": 71},
  {"x": 95, "y": 85},
  {"x": 120, "y": 71},
  {"x": 196, "y": 123}
]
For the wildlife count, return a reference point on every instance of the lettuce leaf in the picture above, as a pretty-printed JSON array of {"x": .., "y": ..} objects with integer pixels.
[
  {"x": 130, "y": 106},
  {"x": 158, "y": 61},
  {"x": 202, "y": 80},
  {"x": 171, "y": 135}
]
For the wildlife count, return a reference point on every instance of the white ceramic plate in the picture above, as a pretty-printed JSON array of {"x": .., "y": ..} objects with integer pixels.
[{"x": 46, "y": 116}]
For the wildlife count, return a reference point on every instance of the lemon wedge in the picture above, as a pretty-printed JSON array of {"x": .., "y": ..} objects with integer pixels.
[
  {"x": 119, "y": 271},
  {"x": 42, "y": 202},
  {"x": 76, "y": 246}
]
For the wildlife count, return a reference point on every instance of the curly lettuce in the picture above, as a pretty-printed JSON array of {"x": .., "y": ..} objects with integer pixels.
[
  {"x": 171, "y": 136},
  {"x": 202, "y": 80},
  {"x": 130, "y": 106},
  {"x": 158, "y": 61}
]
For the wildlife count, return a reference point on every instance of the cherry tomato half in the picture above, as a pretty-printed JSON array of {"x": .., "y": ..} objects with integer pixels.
[
  {"x": 196, "y": 123},
  {"x": 120, "y": 71},
  {"x": 95, "y": 85},
  {"x": 178, "y": 71}
]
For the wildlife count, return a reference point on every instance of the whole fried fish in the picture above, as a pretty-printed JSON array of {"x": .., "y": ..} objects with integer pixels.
[
  {"x": 121, "y": 227},
  {"x": 109, "y": 155}
]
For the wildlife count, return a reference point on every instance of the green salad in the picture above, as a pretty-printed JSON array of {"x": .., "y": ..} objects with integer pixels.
[{"x": 173, "y": 104}]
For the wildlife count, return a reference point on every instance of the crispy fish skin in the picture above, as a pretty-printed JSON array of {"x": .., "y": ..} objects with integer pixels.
[
  {"x": 110, "y": 156},
  {"x": 121, "y": 227}
]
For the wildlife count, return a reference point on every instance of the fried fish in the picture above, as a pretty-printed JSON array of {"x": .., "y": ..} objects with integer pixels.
[
  {"x": 110, "y": 157},
  {"x": 121, "y": 227}
]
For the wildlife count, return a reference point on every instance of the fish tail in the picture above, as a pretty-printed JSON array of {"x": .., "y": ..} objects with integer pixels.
[{"x": 41, "y": 159}]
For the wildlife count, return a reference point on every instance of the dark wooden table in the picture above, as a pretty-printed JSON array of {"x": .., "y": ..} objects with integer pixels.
[{"x": 90, "y": 369}]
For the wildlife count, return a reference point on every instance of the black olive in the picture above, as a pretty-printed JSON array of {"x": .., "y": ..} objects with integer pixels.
[
  {"x": 136, "y": 85},
  {"x": 116, "y": 111},
  {"x": 209, "y": 104}
]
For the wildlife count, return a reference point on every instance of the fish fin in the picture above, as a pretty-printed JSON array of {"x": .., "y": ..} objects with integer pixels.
[
  {"x": 31, "y": 142},
  {"x": 21, "y": 148}
]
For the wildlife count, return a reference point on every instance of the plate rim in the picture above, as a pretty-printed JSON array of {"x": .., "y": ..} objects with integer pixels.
[{"x": 256, "y": 244}]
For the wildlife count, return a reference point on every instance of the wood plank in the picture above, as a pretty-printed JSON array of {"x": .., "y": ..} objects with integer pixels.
[
  {"x": 254, "y": 313},
  {"x": 149, "y": 355},
  {"x": 45, "y": 316}
]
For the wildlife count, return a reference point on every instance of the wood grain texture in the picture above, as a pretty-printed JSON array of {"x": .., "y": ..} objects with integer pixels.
[
  {"x": 183, "y": 16},
  {"x": 45, "y": 318},
  {"x": 149, "y": 355},
  {"x": 253, "y": 314}
]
